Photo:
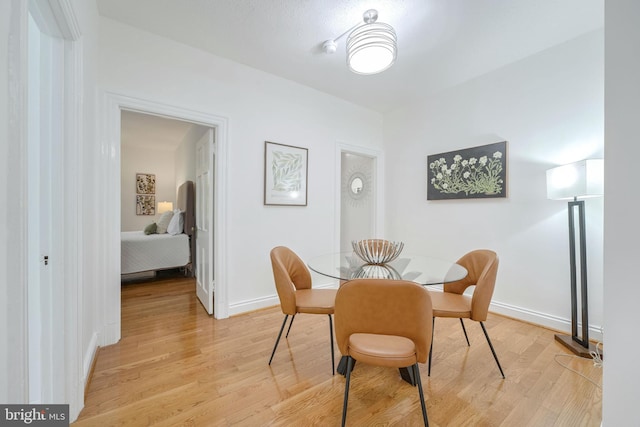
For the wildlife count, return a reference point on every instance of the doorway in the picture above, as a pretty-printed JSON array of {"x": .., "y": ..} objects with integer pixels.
[
  {"x": 113, "y": 106},
  {"x": 360, "y": 196},
  {"x": 173, "y": 151}
]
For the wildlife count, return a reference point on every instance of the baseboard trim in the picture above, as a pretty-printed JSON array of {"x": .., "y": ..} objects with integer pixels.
[
  {"x": 242, "y": 307},
  {"x": 89, "y": 376},
  {"x": 90, "y": 356},
  {"x": 253, "y": 304},
  {"x": 110, "y": 335},
  {"x": 543, "y": 319},
  {"x": 549, "y": 321}
]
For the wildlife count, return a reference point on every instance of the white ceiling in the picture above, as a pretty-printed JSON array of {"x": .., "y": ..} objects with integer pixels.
[
  {"x": 147, "y": 131},
  {"x": 441, "y": 43}
]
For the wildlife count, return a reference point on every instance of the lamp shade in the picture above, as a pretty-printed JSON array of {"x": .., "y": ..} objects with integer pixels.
[
  {"x": 372, "y": 47},
  {"x": 576, "y": 180},
  {"x": 165, "y": 207}
]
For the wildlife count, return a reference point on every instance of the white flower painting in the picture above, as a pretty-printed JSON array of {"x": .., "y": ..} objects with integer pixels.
[
  {"x": 285, "y": 175},
  {"x": 478, "y": 172}
]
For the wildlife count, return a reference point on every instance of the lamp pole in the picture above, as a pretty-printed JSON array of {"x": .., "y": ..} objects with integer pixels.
[{"x": 578, "y": 344}]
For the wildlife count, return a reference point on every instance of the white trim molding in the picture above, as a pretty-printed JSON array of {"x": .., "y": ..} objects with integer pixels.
[
  {"x": 542, "y": 319},
  {"x": 14, "y": 359},
  {"x": 268, "y": 301},
  {"x": 89, "y": 356},
  {"x": 109, "y": 204}
]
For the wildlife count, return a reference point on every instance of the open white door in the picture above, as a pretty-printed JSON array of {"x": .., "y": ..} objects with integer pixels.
[{"x": 204, "y": 219}]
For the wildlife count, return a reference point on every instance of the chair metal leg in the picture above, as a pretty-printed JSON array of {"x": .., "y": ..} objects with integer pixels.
[
  {"x": 491, "y": 347},
  {"x": 433, "y": 326},
  {"x": 278, "y": 339},
  {"x": 463, "y": 330},
  {"x": 333, "y": 362},
  {"x": 416, "y": 374},
  {"x": 290, "y": 324},
  {"x": 346, "y": 389}
]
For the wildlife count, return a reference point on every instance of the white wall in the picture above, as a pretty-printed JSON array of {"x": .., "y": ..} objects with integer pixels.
[
  {"x": 621, "y": 369},
  {"x": 13, "y": 256},
  {"x": 260, "y": 107},
  {"x": 549, "y": 107},
  {"x": 185, "y": 156},
  {"x": 135, "y": 160}
]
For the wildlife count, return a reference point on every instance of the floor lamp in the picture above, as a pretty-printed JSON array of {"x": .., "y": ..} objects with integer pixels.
[{"x": 572, "y": 182}]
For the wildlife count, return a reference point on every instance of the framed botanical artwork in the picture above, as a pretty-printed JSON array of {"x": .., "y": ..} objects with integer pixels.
[
  {"x": 285, "y": 174},
  {"x": 145, "y": 183},
  {"x": 145, "y": 205},
  {"x": 471, "y": 173}
]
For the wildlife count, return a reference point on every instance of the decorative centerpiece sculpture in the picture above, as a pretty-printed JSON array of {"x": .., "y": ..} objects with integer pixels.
[
  {"x": 377, "y": 251},
  {"x": 375, "y": 271}
]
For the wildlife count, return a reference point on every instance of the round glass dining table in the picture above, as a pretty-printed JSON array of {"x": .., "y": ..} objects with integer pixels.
[
  {"x": 420, "y": 269},
  {"x": 416, "y": 268}
]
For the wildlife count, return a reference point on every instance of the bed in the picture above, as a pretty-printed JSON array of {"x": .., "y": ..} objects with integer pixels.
[{"x": 148, "y": 253}]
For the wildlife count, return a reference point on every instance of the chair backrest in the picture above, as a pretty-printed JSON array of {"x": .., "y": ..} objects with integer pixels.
[
  {"x": 387, "y": 307},
  {"x": 290, "y": 273},
  {"x": 482, "y": 265}
]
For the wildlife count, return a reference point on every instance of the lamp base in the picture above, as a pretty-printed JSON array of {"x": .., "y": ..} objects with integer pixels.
[{"x": 575, "y": 347}]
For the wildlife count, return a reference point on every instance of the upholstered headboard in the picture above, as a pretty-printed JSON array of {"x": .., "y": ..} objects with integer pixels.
[{"x": 187, "y": 204}]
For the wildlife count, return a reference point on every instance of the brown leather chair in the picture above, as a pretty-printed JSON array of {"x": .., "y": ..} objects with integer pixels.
[
  {"x": 482, "y": 266},
  {"x": 293, "y": 283},
  {"x": 386, "y": 323}
]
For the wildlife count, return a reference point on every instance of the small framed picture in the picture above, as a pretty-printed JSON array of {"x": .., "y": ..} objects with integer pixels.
[
  {"x": 285, "y": 175},
  {"x": 145, "y": 183},
  {"x": 145, "y": 205}
]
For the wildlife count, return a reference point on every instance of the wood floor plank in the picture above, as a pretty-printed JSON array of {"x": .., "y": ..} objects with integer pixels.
[{"x": 177, "y": 366}]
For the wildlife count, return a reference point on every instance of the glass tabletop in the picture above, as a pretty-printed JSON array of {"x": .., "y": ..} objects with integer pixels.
[{"x": 416, "y": 268}]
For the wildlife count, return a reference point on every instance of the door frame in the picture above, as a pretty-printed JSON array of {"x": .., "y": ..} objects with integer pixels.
[
  {"x": 113, "y": 104},
  {"x": 378, "y": 157},
  {"x": 64, "y": 376}
]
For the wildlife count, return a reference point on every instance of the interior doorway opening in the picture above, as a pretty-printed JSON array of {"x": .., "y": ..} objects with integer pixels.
[
  {"x": 169, "y": 151},
  {"x": 361, "y": 198},
  {"x": 358, "y": 192},
  {"x": 108, "y": 272}
]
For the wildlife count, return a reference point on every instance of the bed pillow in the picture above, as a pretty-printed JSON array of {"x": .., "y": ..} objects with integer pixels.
[
  {"x": 151, "y": 228},
  {"x": 163, "y": 222},
  {"x": 176, "y": 225}
]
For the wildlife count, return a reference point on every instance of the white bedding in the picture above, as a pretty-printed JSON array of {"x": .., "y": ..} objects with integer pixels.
[{"x": 141, "y": 252}]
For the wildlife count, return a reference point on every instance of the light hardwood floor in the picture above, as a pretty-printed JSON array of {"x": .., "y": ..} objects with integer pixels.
[{"x": 176, "y": 366}]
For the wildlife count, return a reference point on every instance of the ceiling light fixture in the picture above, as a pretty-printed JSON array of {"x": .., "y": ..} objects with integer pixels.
[{"x": 372, "y": 47}]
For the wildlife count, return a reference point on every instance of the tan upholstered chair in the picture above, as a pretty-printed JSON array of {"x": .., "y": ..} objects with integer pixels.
[
  {"x": 293, "y": 283},
  {"x": 482, "y": 266},
  {"x": 386, "y": 323}
]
